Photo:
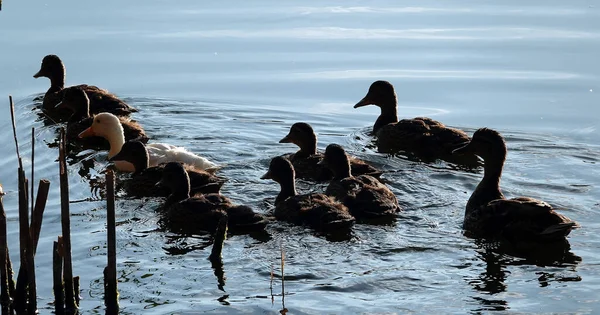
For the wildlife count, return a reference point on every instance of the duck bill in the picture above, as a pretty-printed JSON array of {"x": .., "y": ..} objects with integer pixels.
[
  {"x": 465, "y": 148},
  {"x": 364, "y": 102},
  {"x": 267, "y": 175},
  {"x": 38, "y": 74},
  {"x": 286, "y": 139},
  {"x": 87, "y": 133}
]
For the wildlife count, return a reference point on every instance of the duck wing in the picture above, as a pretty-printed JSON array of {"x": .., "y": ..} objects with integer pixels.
[
  {"x": 318, "y": 211},
  {"x": 525, "y": 219},
  {"x": 193, "y": 215},
  {"x": 242, "y": 219},
  {"x": 365, "y": 196},
  {"x": 103, "y": 101}
]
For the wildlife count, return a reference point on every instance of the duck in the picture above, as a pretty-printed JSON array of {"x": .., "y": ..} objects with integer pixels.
[
  {"x": 366, "y": 197},
  {"x": 423, "y": 137},
  {"x": 490, "y": 215},
  {"x": 109, "y": 127},
  {"x": 144, "y": 178},
  {"x": 100, "y": 99},
  {"x": 76, "y": 101},
  {"x": 318, "y": 211},
  {"x": 306, "y": 160},
  {"x": 202, "y": 212}
]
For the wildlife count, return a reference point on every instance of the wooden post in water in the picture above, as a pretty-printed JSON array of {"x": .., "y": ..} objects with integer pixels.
[
  {"x": 111, "y": 295},
  {"x": 57, "y": 268},
  {"x": 70, "y": 305}
]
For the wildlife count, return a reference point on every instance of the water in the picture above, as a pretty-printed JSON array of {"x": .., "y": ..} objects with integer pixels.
[{"x": 228, "y": 79}]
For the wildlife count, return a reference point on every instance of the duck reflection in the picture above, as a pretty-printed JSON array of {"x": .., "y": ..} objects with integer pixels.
[{"x": 499, "y": 255}]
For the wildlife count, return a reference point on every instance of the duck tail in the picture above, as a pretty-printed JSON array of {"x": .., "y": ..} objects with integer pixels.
[{"x": 559, "y": 230}]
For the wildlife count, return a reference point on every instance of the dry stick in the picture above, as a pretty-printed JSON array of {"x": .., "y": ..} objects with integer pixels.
[
  {"x": 34, "y": 230},
  {"x": 22, "y": 282},
  {"x": 57, "y": 266},
  {"x": 14, "y": 126},
  {"x": 70, "y": 305},
  {"x": 111, "y": 295},
  {"x": 38, "y": 212},
  {"x": 32, "y": 166},
  {"x": 5, "y": 299}
]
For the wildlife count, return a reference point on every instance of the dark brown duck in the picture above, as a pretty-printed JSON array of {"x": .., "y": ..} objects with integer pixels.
[
  {"x": 100, "y": 99},
  {"x": 490, "y": 215},
  {"x": 76, "y": 101},
  {"x": 366, "y": 197},
  {"x": 202, "y": 212},
  {"x": 423, "y": 137},
  {"x": 306, "y": 160},
  {"x": 144, "y": 179},
  {"x": 317, "y": 211}
]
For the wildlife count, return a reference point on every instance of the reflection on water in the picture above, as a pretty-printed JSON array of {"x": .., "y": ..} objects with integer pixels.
[{"x": 227, "y": 80}]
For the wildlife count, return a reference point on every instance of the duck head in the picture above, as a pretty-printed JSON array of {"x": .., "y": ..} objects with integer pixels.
[
  {"x": 76, "y": 100},
  {"x": 176, "y": 179},
  {"x": 302, "y": 135},
  {"x": 487, "y": 144},
  {"x": 381, "y": 93},
  {"x": 52, "y": 68},
  {"x": 135, "y": 153},
  {"x": 282, "y": 171},
  {"x": 337, "y": 161},
  {"x": 107, "y": 126}
]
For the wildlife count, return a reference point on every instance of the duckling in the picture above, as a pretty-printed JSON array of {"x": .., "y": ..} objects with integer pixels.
[
  {"x": 306, "y": 160},
  {"x": 100, "y": 100},
  {"x": 424, "y": 137},
  {"x": 202, "y": 212},
  {"x": 76, "y": 100},
  {"x": 365, "y": 196},
  {"x": 490, "y": 215},
  {"x": 317, "y": 211},
  {"x": 109, "y": 127},
  {"x": 144, "y": 178}
]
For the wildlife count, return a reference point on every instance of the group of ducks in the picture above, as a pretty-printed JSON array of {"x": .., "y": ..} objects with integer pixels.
[{"x": 96, "y": 118}]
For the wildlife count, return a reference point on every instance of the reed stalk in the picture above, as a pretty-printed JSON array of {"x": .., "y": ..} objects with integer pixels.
[
  {"x": 111, "y": 294},
  {"x": 70, "y": 304},
  {"x": 57, "y": 267},
  {"x": 5, "y": 297}
]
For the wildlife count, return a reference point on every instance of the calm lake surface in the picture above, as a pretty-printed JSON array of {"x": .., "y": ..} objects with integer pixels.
[{"x": 227, "y": 80}]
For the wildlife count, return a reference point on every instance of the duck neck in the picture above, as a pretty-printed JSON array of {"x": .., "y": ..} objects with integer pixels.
[
  {"x": 389, "y": 114},
  {"x": 489, "y": 187},
  {"x": 57, "y": 80},
  {"x": 307, "y": 148},
  {"x": 342, "y": 170},
  {"x": 288, "y": 189},
  {"x": 116, "y": 139}
]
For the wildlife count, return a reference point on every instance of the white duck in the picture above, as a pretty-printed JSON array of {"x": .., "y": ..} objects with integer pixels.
[{"x": 109, "y": 127}]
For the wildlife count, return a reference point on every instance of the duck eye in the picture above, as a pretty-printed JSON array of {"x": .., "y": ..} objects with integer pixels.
[{"x": 97, "y": 121}]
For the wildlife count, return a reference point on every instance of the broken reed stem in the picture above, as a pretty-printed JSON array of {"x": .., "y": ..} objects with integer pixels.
[
  {"x": 14, "y": 126},
  {"x": 57, "y": 267},
  {"x": 5, "y": 298},
  {"x": 23, "y": 279},
  {"x": 70, "y": 304},
  {"x": 111, "y": 295},
  {"x": 38, "y": 211}
]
